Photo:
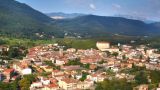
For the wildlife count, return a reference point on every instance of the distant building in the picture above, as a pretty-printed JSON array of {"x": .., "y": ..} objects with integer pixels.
[
  {"x": 96, "y": 77},
  {"x": 87, "y": 84},
  {"x": 71, "y": 67},
  {"x": 3, "y": 48},
  {"x": 103, "y": 45},
  {"x": 68, "y": 84},
  {"x": 71, "y": 50},
  {"x": 112, "y": 50},
  {"x": 141, "y": 87},
  {"x": 51, "y": 87},
  {"x": 35, "y": 85},
  {"x": 8, "y": 73},
  {"x": 26, "y": 71}
]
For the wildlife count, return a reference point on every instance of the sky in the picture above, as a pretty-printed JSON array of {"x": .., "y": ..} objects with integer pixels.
[{"x": 142, "y": 9}]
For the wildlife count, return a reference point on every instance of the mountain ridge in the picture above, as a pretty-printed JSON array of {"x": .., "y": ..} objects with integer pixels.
[
  {"x": 107, "y": 24},
  {"x": 20, "y": 20}
]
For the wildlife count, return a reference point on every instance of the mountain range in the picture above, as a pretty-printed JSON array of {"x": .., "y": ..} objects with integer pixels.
[
  {"x": 102, "y": 25},
  {"x": 61, "y": 15},
  {"x": 20, "y": 20}
]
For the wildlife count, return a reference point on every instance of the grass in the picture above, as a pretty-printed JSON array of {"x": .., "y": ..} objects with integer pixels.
[
  {"x": 79, "y": 43},
  {"x": 74, "y": 43}
]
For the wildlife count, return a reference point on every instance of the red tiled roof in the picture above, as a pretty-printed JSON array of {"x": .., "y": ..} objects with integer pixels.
[
  {"x": 71, "y": 67},
  {"x": 69, "y": 80},
  {"x": 56, "y": 71},
  {"x": 8, "y": 70},
  {"x": 53, "y": 85}
]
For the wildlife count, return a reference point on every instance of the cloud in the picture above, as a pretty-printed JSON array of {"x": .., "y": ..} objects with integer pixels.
[
  {"x": 116, "y": 6},
  {"x": 92, "y": 6}
]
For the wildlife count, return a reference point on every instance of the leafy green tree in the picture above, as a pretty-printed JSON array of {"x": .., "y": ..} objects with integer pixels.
[
  {"x": 49, "y": 63},
  {"x": 155, "y": 76},
  {"x": 31, "y": 77},
  {"x": 14, "y": 84},
  {"x": 17, "y": 51},
  {"x": 9, "y": 86},
  {"x": 24, "y": 84},
  {"x": 115, "y": 54},
  {"x": 26, "y": 81},
  {"x": 141, "y": 78},
  {"x": 124, "y": 57},
  {"x": 99, "y": 87},
  {"x": 108, "y": 53},
  {"x": 101, "y": 62},
  {"x": 135, "y": 69},
  {"x": 4, "y": 86},
  {"x": 13, "y": 52},
  {"x": 84, "y": 76},
  {"x": 141, "y": 57},
  {"x": 86, "y": 65},
  {"x": 114, "y": 85},
  {"x": 74, "y": 62}
]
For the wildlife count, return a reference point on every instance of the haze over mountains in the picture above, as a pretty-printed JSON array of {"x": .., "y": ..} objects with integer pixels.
[
  {"x": 20, "y": 20},
  {"x": 61, "y": 15}
]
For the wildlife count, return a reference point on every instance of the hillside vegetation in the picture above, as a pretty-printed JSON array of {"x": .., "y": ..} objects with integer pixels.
[{"x": 22, "y": 21}]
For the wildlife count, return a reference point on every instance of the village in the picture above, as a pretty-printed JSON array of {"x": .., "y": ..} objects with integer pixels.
[{"x": 56, "y": 68}]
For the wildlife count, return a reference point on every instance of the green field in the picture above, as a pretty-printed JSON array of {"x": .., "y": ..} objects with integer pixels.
[
  {"x": 75, "y": 43},
  {"x": 84, "y": 43}
]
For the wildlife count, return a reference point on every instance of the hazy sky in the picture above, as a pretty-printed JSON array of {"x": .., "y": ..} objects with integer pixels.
[{"x": 147, "y": 9}]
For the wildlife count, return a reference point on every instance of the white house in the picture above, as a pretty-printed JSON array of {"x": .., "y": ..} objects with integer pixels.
[
  {"x": 45, "y": 81},
  {"x": 87, "y": 84},
  {"x": 96, "y": 77},
  {"x": 68, "y": 84},
  {"x": 36, "y": 85},
  {"x": 103, "y": 45},
  {"x": 26, "y": 71}
]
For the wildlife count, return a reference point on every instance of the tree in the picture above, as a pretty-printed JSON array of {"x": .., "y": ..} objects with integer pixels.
[
  {"x": 108, "y": 53},
  {"x": 115, "y": 54},
  {"x": 14, "y": 84},
  {"x": 155, "y": 76},
  {"x": 141, "y": 78},
  {"x": 84, "y": 76},
  {"x": 134, "y": 69},
  {"x": 49, "y": 63},
  {"x": 24, "y": 84},
  {"x": 5, "y": 86},
  {"x": 17, "y": 51},
  {"x": 86, "y": 65},
  {"x": 141, "y": 57},
  {"x": 74, "y": 62},
  {"x": 99, "y": 87},
  {"x": 9, "y": 86},
  {"x": 31, "y": 77},
  {"x": 114, "y": 84},
  {"x": 124, "y": 57},
  {"x": 13, "y": 52},
  {"x": 2, "y": 42},
  {"x": 101, "y": 62}
]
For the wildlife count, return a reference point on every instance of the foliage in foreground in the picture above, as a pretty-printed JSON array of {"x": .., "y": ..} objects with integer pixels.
[{"x": 114, "y": 85}]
